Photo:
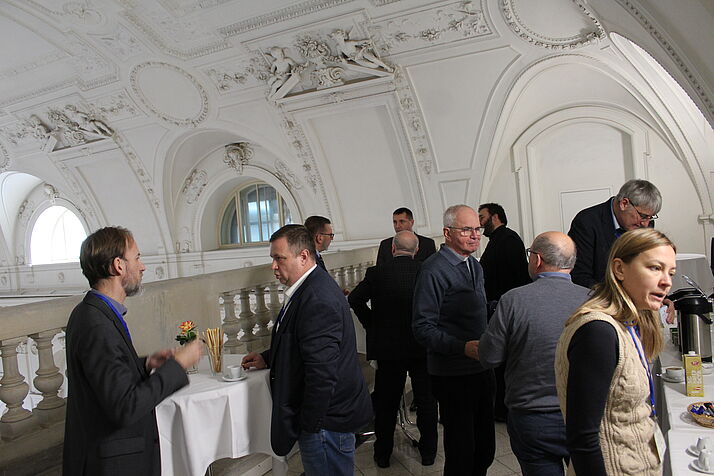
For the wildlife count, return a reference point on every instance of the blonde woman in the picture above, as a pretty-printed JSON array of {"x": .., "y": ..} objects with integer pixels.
[{"x": 602, "y": 361}]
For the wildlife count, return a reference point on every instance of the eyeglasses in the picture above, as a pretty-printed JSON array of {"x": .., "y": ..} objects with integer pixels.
[
  {"x": 530, "y": 252},
  {"x": 331, "y": 235},
  {"x": 643, "y": 216},
  {"x": 467, "y": 230}
]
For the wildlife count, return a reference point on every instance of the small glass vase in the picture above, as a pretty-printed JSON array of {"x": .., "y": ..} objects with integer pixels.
[
  {"x": 215, "y": 362},
  {"x": 192, "y": 369}
]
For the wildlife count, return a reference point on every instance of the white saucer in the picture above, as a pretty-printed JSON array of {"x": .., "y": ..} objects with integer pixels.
[
  {"x": 671, "y": 380},
  {"x": 695, "y": 466},
  {"x": 693, "y": 450},
  {"x": 237, "y": 379}
]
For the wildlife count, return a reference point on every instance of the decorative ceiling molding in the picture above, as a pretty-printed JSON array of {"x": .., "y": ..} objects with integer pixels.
[
  {"x": 236, "y": 75},
  {"x": 519, "y": 27},
  {"x": 431, "y": 27},
  {"x": 286, "y": 176},
  {"x": 134, "y": 80},
  {"x": 115, "y": 106},
  {"x": 139, "y": 170},
  {"x": 165, "y": 45},
  {"x": 414, "y": 124},
  {"x": 32, "y": 65},
  {"x": 651, "y": 26},
  {"x": 121, "y": 43},
  {"x": 4, "y": 158},
  {"x": 74, "y": 11},
  {"x": 284, "y": 14},
  {"x": 301, "y": 147}
]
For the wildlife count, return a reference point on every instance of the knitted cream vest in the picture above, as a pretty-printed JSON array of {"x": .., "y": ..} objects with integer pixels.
[{"x": 626, "y": 429}]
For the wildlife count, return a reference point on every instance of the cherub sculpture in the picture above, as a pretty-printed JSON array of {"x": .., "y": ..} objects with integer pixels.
[
  {"x": 361, "y": 52},
  {"x": 281, "y": 69},
  {"x": 88, "y": 123}
]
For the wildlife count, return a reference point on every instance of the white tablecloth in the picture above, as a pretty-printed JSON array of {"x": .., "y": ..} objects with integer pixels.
[
  {"x": 211, "y": 419},
  {"x": 682, "y": 431}
]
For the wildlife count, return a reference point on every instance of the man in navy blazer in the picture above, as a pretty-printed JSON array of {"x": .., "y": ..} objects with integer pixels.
[
  {"x": 110, "y": 427},
  {"x": 320, "y": 398},
  {"x": 403, "y": 220},
  {"x": 595, "y": 229}
]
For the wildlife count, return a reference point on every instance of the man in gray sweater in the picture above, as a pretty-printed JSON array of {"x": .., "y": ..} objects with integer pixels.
[{"x": 523, "y": 334}]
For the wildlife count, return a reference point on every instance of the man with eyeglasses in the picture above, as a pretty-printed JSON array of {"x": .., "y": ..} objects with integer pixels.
[
  {"x": 320, "y": 229},
  {"x": 595, "y": 229},
  {"x": 449, "y": 316}
]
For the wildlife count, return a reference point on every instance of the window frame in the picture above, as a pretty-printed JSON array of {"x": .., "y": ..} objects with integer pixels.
[{"x": 234, "y": 197}]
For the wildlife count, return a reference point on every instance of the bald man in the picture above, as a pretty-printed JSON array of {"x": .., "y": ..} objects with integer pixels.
[
  {"x": 528, "y": 321},
  {"x": 389, "y": 287}
]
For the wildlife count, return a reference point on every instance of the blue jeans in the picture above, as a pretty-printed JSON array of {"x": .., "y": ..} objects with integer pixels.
[
  {"x": 327, "y": 453},
  {"x": 538, "y": 441}
]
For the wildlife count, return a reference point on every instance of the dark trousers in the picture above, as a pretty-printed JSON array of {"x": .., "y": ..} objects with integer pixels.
[
  {"x": 538, "y": 441},
  {"x": 388, "y": 388},
  {"x": 466, "y": 406}
]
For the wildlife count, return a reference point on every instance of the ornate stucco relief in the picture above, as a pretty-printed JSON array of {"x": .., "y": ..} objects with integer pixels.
[
  {"x": 139, "y": 170},
  {"x": 121, "y": 43},
  {"x": 414, "y": 123},
  {"x": 73, "y": 11},
  {"x": 520, "y": 28},
  {"x": 195, "y": 119},
  {"x": 286, "y": 176},
  {"x": 243, "y": 74},
  {"x": 4, "y": 158},
  {"x": 436, "y": 26},
  {"x": 114, "y": 106},
  {"x": 194, "y": 185},
  {"x": 238, "y": 155}
]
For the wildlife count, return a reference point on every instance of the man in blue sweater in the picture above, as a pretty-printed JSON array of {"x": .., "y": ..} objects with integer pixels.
[{"x": 449, "y": 318}]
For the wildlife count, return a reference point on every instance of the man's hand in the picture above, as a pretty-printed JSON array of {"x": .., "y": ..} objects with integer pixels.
[
  {"x": 670, "y": 310},
  {"x": 157, "y": 359},
  {"x": 189, "y": 354},
  {"x": 253, "y": 360},
  {"x": 471, "y": 349}
]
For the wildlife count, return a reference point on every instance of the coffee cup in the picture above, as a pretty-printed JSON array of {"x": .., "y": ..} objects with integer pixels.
[
  {"x": 704, "y": 443},
  {"x": 674, "y": 373},
  {"x": 705, "y": 460},
  {"x": 235, "y": 371}
]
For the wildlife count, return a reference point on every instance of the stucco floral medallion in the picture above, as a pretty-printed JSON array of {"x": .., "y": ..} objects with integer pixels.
[{"x": 185, "y": 103}]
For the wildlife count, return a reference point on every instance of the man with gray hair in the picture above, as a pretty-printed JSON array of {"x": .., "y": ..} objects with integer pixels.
[
  {"x": 449, "y": 318},
  {"x": 595, "y": 229},
  {"x": 528, "y": 321}
]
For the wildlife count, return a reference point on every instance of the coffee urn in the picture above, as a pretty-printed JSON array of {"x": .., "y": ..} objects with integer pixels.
[{"x": 694, "y": 321}]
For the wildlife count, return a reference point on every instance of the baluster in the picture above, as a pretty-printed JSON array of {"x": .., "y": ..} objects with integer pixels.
[
  {"x": 360, "y": 271},
  {"x": 350, "y": 277},
  {"x": 262, "y": 313},
  {"x": 246, "y": 318},
  {"x": 334, "y": 272},
  {"x": 51, "y": 408},
  {"x": 275, "y": 304},
  {"x": 231, "y": 325},
  {"x": 13, "y": 389},
  {"x": 341, "y": 278}
]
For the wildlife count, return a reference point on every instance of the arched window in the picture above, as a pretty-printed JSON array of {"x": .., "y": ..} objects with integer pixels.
[
  {"x": 252, "y": 214},
  {"x": 56, "y": 236}
]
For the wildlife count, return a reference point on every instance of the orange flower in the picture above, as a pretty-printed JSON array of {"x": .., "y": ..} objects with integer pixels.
[{"x": 187, "y": 326}]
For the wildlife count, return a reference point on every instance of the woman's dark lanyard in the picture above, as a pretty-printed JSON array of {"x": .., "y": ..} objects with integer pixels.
[
  {"x": 634, "y": 331},
  {"x": 111, "y": 306}
]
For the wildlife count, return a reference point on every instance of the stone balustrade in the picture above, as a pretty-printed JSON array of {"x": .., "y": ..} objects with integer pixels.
[{"x": 243, "y": 302}]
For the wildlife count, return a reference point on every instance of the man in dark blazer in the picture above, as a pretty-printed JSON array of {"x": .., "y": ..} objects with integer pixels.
[
  {"x": 322, "y": 234},
  {"x": 595, "y": 229},
  {"x": 319, "y": 395},
  {"x": 110, "y": 427},
  {"x": 403, "y": 219},
  {"x": 390, "y": 341}
]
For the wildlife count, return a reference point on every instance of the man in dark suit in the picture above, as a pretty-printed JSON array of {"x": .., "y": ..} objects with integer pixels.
[
  {"x": 319, "y": 394},
  {"x": 390, "y": 341},
  {"x": 110, "y": 427},
  {"x": 322, "y": 234},
  {"x": 595, "y": 229},
  {"x": 403, "y": 219}
]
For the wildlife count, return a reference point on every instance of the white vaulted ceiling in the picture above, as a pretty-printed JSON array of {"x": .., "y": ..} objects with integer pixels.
[{"x": 476, "y": 100}]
